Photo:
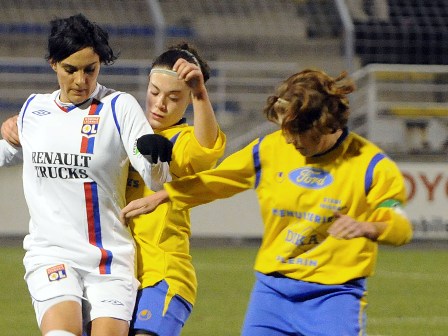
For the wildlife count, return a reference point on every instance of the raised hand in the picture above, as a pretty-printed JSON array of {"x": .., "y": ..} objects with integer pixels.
[{"x": 192, "y": 75}]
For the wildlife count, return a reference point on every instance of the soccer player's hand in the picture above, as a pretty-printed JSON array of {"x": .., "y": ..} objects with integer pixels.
[
  {"x": 10, "y": 131},
  {"x": 155, "y": 147},
  {"x": 143, "y": 205},
  {"x": 345, "y": 227},
  {"x": 192, "y": 75}
]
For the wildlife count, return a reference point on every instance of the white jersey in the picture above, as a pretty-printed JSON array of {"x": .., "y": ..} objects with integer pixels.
[{"x": 75, "y": 168}]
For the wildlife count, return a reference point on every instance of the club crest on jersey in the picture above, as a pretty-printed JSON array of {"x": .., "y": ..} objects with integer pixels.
[
  {"x": 56, "y": 273},
  {"x": 144, "y": 315},
  {"x": 312, "y": 178},
  {"x": 90, "y": 126}
]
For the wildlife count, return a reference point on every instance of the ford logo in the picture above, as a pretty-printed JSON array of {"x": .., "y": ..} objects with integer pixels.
[{"x": 312, "y": 178}]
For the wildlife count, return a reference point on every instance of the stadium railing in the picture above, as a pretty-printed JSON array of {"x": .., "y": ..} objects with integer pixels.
[
  {"x": 403, "y": 108},
  {"x": 237, "y": 89}
]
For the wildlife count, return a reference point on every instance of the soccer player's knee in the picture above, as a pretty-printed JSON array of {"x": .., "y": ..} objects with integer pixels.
[{"x": 59, "y": 333}]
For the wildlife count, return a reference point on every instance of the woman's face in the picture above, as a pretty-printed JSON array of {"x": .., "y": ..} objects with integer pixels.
[
  {"x": 77, "y": 75},
  {"x": 167, "y": 99}
]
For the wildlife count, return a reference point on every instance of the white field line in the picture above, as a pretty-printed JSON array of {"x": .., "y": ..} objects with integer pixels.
[
  {"x": 413, "y": 275},
  {"x": 414, "y": 320}
]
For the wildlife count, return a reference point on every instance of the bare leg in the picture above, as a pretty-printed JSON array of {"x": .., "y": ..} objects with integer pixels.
[
  {"x": 108, "y": 326},
  {"x": 64, "y": 315}
]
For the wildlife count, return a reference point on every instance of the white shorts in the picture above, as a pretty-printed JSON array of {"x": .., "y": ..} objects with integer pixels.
[{"x": 101, "y": 295}]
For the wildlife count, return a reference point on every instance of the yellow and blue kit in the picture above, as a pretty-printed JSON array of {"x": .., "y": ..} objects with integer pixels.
[
  {"x": 163, "y": 237},
  {"x": 298, "y": 198}
]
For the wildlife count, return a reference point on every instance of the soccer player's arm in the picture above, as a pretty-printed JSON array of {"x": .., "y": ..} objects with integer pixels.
[
  {"x": 205, "y": 124},
  {"x": 234, "y": 175},
  {"x": 10, "y": 148},
  {"x": 190, "y": 157},
  {"x": 387, "y": 196},
  {"x": 133, "y": 125},
  {"x": 9, "y": 155}
]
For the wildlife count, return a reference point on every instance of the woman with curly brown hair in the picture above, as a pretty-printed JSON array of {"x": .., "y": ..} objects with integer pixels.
[{"x": 327, "y": 196}]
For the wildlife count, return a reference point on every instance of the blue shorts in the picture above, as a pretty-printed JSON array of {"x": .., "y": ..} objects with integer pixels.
[
  {"x": 283, "y": 306},
  {"x": 148, "y": 314}
]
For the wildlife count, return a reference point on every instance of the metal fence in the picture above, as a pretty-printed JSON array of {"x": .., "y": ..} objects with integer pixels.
[
  {"x": 403, "y": 108},
  {"x": 238, "y": 90}
]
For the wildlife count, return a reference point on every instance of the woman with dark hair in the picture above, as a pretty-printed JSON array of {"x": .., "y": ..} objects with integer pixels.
[
  {"x": 77, "y": 143},
  {"x": 327, "y": 196},
  {"x": 164, "y": 264}
]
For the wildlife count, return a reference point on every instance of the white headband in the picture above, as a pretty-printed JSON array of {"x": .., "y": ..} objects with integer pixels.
[{"x": 164, "y": 71}]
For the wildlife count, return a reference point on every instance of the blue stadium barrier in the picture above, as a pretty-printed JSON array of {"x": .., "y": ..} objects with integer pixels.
[{"x": 131, "y": 30}]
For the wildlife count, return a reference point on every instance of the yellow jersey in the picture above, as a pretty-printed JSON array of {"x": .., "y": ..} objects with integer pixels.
[
  {"x": 163, "y": 237},
  {"x": 298, "y": 197}
]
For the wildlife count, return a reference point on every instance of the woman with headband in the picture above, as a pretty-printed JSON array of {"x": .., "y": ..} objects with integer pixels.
[{"x": 164, "y": 264}]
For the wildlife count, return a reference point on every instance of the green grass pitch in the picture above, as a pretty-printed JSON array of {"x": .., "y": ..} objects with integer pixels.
[{"x": 408, "y": 295}]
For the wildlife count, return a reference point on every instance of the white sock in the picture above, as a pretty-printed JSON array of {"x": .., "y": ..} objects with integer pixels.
[{"x": 59, "y": 333}]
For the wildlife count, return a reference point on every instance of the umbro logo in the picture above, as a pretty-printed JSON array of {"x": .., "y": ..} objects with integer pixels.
[
  {"x": 41, "y": 112},
  {"x": 113, "y": 302}
]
